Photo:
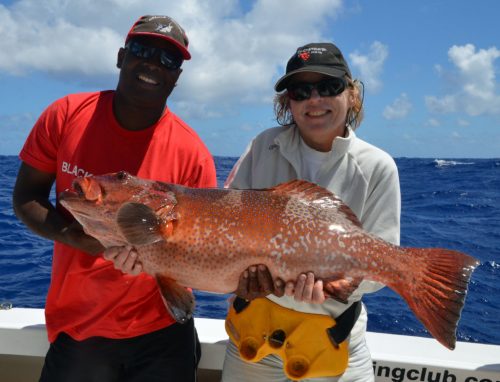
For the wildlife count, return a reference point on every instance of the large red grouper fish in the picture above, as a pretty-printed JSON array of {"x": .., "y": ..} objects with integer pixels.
[{"x": 205, "y": 238}]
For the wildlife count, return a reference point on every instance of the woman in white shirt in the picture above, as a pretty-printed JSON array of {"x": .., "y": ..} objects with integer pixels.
[{"x": 318, "y": 106}]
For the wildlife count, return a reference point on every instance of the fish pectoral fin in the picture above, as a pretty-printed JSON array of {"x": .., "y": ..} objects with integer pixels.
[
  {"x": 139, "y": 224},
  {"x": 179, "y": 301}
]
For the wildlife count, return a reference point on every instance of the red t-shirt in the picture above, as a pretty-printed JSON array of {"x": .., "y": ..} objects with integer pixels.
[{"x": 78, "y": 135}]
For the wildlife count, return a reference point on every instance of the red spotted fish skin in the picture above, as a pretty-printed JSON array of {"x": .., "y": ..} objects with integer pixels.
[
  {"x": 221, "y": 232},
  {"x": 205, "y": 239}
]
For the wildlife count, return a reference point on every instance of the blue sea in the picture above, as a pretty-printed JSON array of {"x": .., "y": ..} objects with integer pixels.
[{"x": 449, "y": 203}]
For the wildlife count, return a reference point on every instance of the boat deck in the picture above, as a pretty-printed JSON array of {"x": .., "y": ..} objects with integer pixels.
[{"x": 23, "y": 344}]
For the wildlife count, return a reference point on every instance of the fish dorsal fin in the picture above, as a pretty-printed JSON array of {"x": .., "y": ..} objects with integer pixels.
[
  {"x": 302, "y": 189},
  {"x": 140, "y": 225},
  {"x": 317, "y": 196}
]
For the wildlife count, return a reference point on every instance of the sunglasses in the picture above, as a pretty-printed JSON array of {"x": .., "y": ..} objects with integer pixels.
[
  {"x": 329, "y": 87},
  {"x": 167, "y": 59}
]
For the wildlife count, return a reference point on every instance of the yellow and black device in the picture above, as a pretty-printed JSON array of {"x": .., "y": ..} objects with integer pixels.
[{"x": 310, "y": 345}]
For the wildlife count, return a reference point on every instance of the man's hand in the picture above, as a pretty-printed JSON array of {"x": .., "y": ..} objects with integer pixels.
[
  {"x": 124, "y": 259},
  {"x": 75, "y": 236},
  {"x": 256, "y": 281}
]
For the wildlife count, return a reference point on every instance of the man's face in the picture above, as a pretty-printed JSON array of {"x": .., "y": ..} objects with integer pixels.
[{"x": 147, "y": 81}]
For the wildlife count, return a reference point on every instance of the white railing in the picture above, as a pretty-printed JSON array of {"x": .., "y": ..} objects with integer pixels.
[{"x": 396, "y": 358}]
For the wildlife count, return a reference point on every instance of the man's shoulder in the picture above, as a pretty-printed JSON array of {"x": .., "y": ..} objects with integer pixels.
[
  {"x": 181, "y": 127},
  {"x": 79, "y": 97},
  {"x": 74, "y": 101},
  {"x": 185, "y": 137}
]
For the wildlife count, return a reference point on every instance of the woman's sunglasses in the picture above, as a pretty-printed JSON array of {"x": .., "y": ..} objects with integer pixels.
[
  {"x": 329, "y": 87},
  {"x": 168, "y": 59}
]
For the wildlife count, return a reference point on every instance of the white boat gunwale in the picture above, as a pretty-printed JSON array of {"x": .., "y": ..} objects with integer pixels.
[{"x": 395, "y": 357}]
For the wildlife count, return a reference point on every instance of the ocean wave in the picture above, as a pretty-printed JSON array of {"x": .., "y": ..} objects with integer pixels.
[
  {"x": 493, "y": 264},
  {"x": 445, "y": 163}
]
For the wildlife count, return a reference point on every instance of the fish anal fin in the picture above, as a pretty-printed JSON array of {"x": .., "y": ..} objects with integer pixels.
[
  {"x": 139, "y": 224},
  {"x": 179, "y": 301},
  {"x": 340, "y": 288},
  {"x": 437, "y": 293},
  {"x": 317, "y": 196}
]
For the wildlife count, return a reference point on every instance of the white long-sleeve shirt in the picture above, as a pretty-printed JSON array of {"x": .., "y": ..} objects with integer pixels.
[{"x": 362, "y": 175}]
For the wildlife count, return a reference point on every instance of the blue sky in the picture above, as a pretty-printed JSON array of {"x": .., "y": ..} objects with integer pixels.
[{"x": 430, "y": 67}]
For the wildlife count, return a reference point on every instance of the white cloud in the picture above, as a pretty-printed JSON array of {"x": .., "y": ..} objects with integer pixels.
[
  {"x": 433, "y": 122},
  {"x": 237, "y": 53},
  {"x": 474, "y": 86},
  {"x": 195, "y": 110},
  {"x": 370, "y": 65},
  {"x": 399, "y": 108},
  {"x": 240, "y": 56},
  {"x": 36, "y": 36},
  {"x": 444, "y": 105}
]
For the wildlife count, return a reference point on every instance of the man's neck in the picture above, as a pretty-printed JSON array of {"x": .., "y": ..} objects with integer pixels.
[{"x": 136, "y": 117}]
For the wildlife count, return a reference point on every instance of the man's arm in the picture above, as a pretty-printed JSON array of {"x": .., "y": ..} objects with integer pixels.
[{"x": 32, "y": 206}]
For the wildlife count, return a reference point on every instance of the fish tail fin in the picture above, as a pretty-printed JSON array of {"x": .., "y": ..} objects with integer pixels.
[{"x": 437, "y": 293}]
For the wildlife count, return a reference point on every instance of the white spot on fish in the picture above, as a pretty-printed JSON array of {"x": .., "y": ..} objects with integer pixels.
[{"x": 336, "y": 227}]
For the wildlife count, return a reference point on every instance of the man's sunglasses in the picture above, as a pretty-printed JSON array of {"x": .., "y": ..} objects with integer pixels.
[
  {"x": 168, "y": 59},
  {"x": 329, "y": 87}
]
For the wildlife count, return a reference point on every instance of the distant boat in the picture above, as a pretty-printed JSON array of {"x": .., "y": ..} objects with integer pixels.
[{"x": 23, "y": 345}]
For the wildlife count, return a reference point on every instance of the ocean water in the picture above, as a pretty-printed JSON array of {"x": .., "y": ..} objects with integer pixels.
[{"x": 451, "y": 204}]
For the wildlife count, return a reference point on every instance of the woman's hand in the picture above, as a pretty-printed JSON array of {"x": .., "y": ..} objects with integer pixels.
[
  {"x": 306, "y": 289},
  {"x": 257, "y": 281},
  {"x": 315, "y": 291}
]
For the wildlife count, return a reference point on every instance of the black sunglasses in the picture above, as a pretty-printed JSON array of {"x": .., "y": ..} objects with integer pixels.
[
  {"x": 168, "y": 59},
  {"x": 326, "y": 88}
]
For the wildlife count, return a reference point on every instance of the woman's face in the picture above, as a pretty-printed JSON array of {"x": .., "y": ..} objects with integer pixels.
[{"x": 320, "y": 119}]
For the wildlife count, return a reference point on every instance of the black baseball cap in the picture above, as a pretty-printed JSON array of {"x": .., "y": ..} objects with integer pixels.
[
  {"x": 324, "y": 58},
  {"x": 162, "y": 27}
]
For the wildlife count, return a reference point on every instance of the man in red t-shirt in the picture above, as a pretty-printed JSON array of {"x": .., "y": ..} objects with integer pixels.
[{"x": 106, "y": 320}]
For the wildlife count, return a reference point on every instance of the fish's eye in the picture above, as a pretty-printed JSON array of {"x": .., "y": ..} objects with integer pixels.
[{"x": 122, "y": 175}]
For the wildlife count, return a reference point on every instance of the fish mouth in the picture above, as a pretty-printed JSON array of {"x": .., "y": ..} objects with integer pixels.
[
  {"x": 82, "y": 194},
  {"x": 73, "y": 193},
  {"x": 85, "y": 189},
  {"x": 78, "y": 189},
  {"x": 68, "y": 195}
]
